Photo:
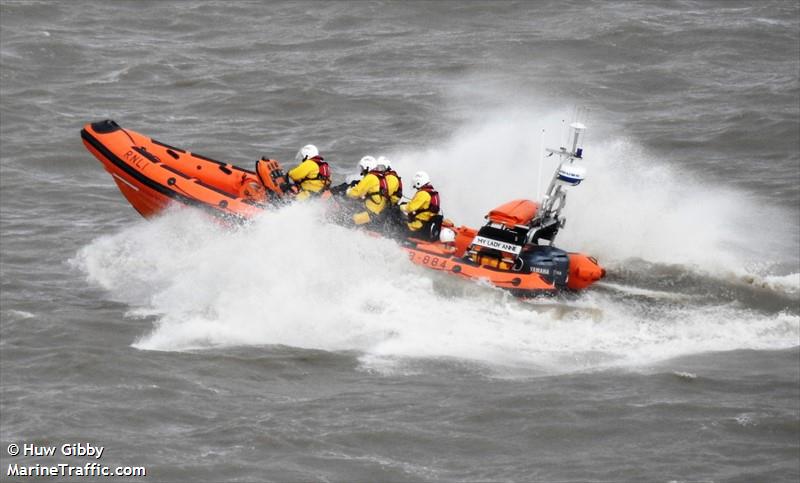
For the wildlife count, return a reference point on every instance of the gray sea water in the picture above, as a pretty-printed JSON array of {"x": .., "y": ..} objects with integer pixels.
[{"x": 290, "y": 350}]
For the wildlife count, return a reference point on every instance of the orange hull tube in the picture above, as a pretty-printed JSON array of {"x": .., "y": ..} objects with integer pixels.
[
  {"x": 440, "y": 257},
  {"x": 583, "y": 271},
  {"x": 153, "y": 175}
]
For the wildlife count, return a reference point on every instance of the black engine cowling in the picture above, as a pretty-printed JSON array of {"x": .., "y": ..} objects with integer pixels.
[{"x": 552, "y": 263}]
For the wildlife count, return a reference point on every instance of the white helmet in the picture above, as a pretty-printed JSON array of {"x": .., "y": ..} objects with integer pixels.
[
  {"x": 385, "y": 162},
  {"x": 446, "y": 235},
  {"x": 307, "y": 151},
  {"x": 367, "y": 164},
  {"x": 421, "y": 179}
]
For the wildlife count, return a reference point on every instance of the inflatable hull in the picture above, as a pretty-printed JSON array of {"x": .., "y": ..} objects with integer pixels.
[{"x": 153, "y": 176}]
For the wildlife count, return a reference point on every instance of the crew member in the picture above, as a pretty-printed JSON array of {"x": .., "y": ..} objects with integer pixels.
[
  {"x": 393, "y": 181},
  {"x": 395, "y": 219},
  {"x": 372, "y": 189},
  {"x": 423, "y": 207},
  {"x": 352, "y": 180},
  {"x": 312, "y": 174}
]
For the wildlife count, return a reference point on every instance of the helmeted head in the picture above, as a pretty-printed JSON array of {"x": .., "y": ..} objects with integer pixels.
[
  {"x": 421, "y": 179},
  {"x": 367, "y": 164},
  {"x": 447, "y": 235},
  {"x": 383, "y": 160},
  {"x": 306, "y": 152}
]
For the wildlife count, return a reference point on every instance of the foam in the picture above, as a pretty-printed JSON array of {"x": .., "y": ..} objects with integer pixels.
[
  {"x": 15, "y": 315},
  {"x": 787, "y": 284},
  {"x": 290, "y": 279}
]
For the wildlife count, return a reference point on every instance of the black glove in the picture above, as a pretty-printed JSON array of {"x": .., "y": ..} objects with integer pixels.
[{"x": 339, "y": 189}]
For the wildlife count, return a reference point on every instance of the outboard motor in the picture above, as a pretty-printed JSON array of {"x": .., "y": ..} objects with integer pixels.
[{"x": 550, "y": 262}]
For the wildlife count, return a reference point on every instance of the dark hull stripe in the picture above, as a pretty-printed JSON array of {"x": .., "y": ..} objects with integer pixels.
[
  {"x": 173, "y": 170},
  {"x": 167, "y": 146},
  {"x": 155, "y": 186}
]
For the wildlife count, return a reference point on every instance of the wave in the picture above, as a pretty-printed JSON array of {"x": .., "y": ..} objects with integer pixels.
[
  {"x": 290, "y": 279},
  {"x": 788, "y": 284}
]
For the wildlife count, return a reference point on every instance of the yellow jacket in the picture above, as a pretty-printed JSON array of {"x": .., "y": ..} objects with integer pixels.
[
  {"x": 420, "y": 201},
  {"x": 393, "y": 184},
  {"x": 370, "y": 188},
  {"x": 305, "y": 174}
]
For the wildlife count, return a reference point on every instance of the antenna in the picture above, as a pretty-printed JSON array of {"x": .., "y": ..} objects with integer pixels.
[
  {"x": 577, "y": 129},
  {"x": 541, "y": 162},
  {"x": 548, "y": 220}
]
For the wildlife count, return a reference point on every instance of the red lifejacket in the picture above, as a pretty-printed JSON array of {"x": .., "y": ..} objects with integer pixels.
[
  {"x": 383, "y": 191},
  {"x": 433, "y": 206},
  {"x": 324, "y": 173}
]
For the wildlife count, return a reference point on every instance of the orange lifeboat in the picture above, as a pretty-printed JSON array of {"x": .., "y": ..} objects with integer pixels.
[{"x": 153, "y": 175}]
